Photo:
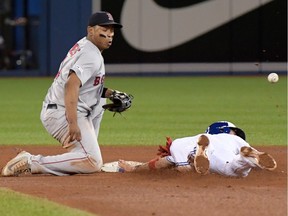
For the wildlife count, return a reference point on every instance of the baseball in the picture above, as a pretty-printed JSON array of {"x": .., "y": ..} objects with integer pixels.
[{"x": 273, "y": 77}]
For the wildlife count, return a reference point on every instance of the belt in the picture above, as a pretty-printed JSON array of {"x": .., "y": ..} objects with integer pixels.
[{"x": 52, "y": 106}]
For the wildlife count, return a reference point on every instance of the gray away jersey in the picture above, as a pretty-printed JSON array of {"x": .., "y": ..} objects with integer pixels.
[{"x": 86, "y": 60}]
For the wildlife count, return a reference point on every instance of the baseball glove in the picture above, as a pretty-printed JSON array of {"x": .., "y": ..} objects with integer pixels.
[{"x": 120, "y": 102}]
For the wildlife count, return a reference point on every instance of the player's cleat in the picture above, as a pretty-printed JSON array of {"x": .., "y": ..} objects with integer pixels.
[
  {"x": 201, "y": 162},
  {"x": 260, "y": 159},
  {"x": 17, "y": 165}
]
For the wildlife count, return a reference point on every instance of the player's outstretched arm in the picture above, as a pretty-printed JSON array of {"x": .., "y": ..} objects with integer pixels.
[{"x": 157, "y": 163}]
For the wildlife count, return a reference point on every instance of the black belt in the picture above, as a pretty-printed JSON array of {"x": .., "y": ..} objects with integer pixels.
[{"x": 52, "y": 106}]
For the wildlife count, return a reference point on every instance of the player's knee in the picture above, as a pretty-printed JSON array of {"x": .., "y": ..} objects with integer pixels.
[
  {"x": 89, "y": 165},
  {"x": 96, "y": 163}
]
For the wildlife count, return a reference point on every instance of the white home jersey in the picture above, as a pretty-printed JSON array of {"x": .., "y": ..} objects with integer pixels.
[{"x": 223, "y": 153}]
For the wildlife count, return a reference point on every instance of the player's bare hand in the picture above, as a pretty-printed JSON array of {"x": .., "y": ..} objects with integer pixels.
[
  {"x": 125, "y": 166},
  {"x": 71, "y": 137},
  {"x": 74, "y": 133}
]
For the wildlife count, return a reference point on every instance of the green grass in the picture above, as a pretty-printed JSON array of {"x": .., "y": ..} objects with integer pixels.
[
  {"x": 20, "y": 106},
  {"x": 16, "y": 204},
  {"x": 185, "y": 106},
  {"x": 168, "y": 106}
]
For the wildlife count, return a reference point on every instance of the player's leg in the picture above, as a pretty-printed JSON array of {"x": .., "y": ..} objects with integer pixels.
[
  {"x": 201, "y": 161},
  {"x": 262, "y": 160},
  {"x": 224, "y": 156},
  {"x": 229, "y": 163},
  {"x": 83, "y": 156},
  {"x": 245, "y": 158}
]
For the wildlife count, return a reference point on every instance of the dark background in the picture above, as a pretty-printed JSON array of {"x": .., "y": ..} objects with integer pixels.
[
  {"x": 38, "y": 47},
  {"x": 259, "y": 36}
]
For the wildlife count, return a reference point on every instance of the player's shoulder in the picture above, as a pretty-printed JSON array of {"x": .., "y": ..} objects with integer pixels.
[
  {"x": 183, "y": 140},
  {"x": 225, "y": 136},
  {"x": 85, "y": 46}
]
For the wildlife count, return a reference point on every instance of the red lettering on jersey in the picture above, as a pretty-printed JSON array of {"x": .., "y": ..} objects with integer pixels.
[
  {"x": 74, "y": 49},
  {"x": 58, "y": 74},
  {"x": 71, "y": 52},
  {"x": 99, "y": 80}
]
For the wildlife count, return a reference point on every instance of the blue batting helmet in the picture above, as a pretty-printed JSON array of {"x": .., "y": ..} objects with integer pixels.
[{"x": 225, "y": 127}]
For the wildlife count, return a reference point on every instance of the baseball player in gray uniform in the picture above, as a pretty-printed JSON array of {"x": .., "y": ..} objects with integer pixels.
[
  {"x": 72, "y": 109},
  {"x": 224, "y": 152}
]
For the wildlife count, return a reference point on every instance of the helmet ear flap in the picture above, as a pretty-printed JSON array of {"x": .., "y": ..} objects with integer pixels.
[{"x": 239, "y": 132}]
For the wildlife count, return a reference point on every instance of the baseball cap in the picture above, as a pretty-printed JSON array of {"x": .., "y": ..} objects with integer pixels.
[{"x": 103, "y": 18}]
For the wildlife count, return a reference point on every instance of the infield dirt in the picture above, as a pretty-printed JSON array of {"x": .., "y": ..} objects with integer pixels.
[{"x": 157, "y": 193}]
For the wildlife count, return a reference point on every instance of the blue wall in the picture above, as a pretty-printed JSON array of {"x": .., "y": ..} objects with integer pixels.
[
  {"x": 67, "y": 24},
  {"x": 52, "y": 29}
]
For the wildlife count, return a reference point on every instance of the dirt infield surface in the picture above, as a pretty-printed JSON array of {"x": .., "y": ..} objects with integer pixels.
[{"x": 157, "y": 193}]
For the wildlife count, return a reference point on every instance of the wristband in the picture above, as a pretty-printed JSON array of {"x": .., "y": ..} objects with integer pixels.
[
  {"x": 152, "y": 164},
  {"x": 104, "y": 92}
]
